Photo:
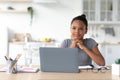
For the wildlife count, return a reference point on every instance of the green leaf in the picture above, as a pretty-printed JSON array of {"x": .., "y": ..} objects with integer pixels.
[{"x": 117, "y": 61}]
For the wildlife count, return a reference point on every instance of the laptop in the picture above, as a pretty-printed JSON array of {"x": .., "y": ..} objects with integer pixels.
[{"x": 59, "y": 59}]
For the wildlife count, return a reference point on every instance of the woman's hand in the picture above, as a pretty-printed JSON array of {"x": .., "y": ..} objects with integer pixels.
[
  {"x": 74, "y": 44},
  {"x": 77, "y": 43},
  {"x": 80, "y": 44}
]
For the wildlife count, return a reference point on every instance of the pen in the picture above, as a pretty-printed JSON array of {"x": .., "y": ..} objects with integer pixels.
[
  {"x": 6, "y": 58},
  {"x": 11, "y": 59}
]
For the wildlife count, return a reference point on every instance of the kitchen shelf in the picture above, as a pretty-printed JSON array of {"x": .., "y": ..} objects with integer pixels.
[
  {"x": 15, "y": 1},
  {"x": 104, "y": 22},
  {"x": 13, "y": 11}
]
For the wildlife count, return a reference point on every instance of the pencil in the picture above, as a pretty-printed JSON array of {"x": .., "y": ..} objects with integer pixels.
[{"x": 18, "y": 56}]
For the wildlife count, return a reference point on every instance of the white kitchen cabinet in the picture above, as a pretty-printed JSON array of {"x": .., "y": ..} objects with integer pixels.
[
  {"x": 15, "y": 49},
  {"x": 111, "y": 53},
  {"x": 29, "y": 51},
  {"x": 89, "y": 9},
  {"x": 3, "y": 44},
  {"x": 116, "y": 10},
  {"x": 102, "y": 10},
  {"x": 106, "y": 9}
]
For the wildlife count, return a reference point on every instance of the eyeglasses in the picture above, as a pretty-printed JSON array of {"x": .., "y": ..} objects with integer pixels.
[{"x": 95, "y": 69}]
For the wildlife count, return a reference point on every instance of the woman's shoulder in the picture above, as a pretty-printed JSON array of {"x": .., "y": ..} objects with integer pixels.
[
  {"x": 67, "y": 40},
  {"x": 90, "y": 40},
  {"x": 66, "y": 43}
]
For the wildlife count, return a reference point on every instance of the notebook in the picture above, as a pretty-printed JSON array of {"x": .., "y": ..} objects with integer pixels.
[
  {"x": 28, "y": 69},
  {"x": 58, "y": 59}
]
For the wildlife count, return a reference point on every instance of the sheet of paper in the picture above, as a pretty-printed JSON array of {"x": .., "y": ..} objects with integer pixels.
[
  {"x": 28, "y": 69},
  {"x": 85, "y": 67},
  {"x": 3, "y": 69},
  {"x": 95, "y": 67}
]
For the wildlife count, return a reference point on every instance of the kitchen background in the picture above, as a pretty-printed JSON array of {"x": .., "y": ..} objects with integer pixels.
[{"x": 51, "y": 19}]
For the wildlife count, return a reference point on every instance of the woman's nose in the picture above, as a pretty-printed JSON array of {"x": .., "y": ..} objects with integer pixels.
[{"x": 77, "y": 31}]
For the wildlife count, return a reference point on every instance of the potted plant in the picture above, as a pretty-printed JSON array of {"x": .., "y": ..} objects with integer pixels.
[
  {"x": 117, "y": 61},
  {"x": 30, "y": 10},
  {"x": 116, "y": 67}
]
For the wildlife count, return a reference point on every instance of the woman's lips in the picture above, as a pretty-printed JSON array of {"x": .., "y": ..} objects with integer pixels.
[{"x": 76, "y": 35}]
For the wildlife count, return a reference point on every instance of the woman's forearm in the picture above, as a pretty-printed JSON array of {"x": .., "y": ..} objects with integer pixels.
[{"x": 96, "y": 56}]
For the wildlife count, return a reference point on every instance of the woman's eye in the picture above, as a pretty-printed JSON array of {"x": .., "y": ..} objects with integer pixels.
[
  {"x": 73, "y": 28},
  {"x": 81, "y": 29}
]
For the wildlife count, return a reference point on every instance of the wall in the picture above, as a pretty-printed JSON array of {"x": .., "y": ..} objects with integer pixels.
[
  {"x": 3, "y": 44},
  {"x": 53, "y": 20},
  {"x": 50, "y": 20}
]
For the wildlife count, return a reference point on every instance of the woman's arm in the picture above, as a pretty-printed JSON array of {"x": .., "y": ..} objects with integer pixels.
[
  {"x": 74, "y": 44},
  {"x": 94, "y": 54}
]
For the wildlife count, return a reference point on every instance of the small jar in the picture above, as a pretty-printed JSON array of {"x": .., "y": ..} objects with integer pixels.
[{"x": 26, "y": 39}]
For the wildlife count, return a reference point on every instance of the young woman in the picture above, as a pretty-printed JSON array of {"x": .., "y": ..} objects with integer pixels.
[{"x": 88, "y": 48}]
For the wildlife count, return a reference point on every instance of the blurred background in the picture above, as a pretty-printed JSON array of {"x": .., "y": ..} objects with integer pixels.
[{"x": 26, "y": 25}]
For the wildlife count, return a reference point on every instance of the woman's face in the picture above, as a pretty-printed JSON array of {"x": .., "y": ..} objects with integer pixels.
[{"x": 78, "y": 29}]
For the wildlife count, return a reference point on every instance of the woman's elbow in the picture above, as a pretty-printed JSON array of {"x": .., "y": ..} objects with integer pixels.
[{"x": 102, "y": 63}]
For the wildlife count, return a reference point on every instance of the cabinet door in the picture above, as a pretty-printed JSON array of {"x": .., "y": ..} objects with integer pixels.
[
  {"x": 33, "y": 49},
  {"x": 102, "y": 10},
  {"x": 3, "y": 44},
  {"x": 117, "y": 8},
  {"x": 89, "y": 9},
  {"x": 106, "y": 8},
  {"x": 30, "y": 52},
  {"x": 112, "y": 53},
  {"x": 15, "y": 49}
]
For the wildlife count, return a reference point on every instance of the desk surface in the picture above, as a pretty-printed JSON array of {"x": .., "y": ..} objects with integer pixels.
[{"x": 83, "y": 75}]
